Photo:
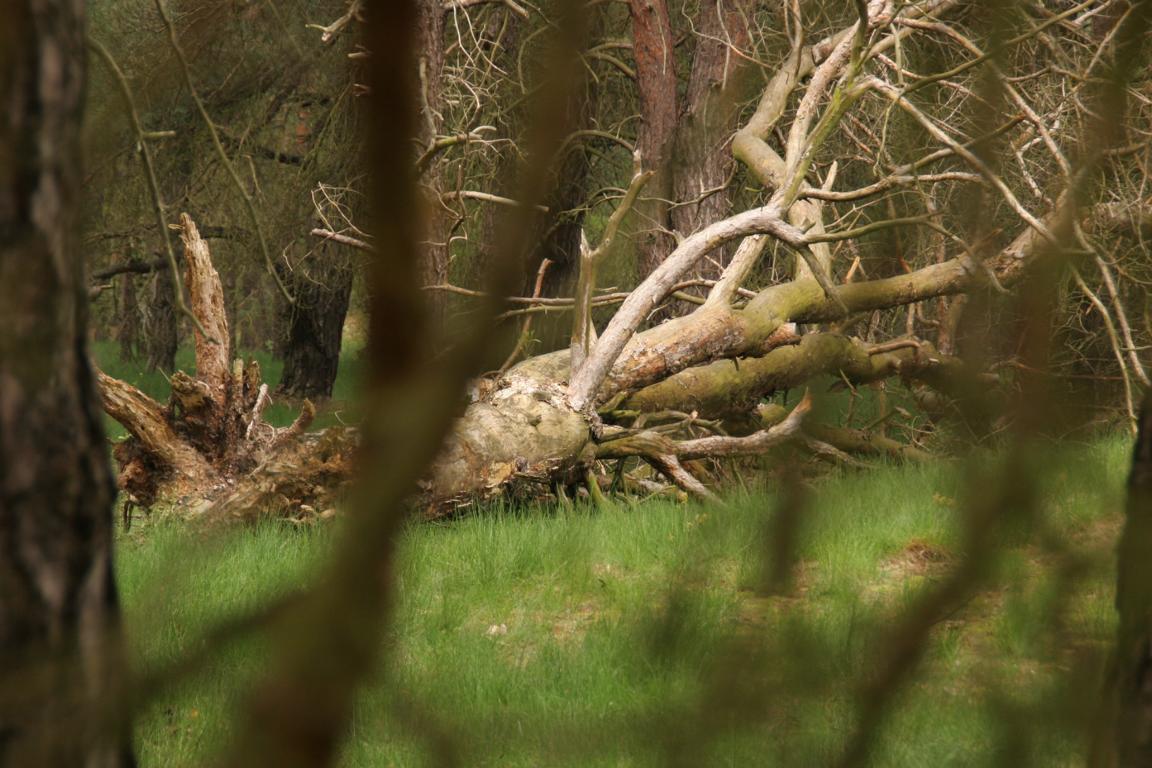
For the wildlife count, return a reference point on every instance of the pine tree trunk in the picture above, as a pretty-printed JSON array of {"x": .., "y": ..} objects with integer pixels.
[
  {"x": 653, "y": 46},
  {"x": 703, "y": 163},
  {"x": 59, "y": 619},
  {"x": 128, "y": 332},
  {"x": 163, "y": 326}
]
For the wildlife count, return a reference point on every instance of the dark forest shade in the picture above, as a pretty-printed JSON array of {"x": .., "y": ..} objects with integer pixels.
[
  {"x": 161, "y": 332},
  {"x": 59, "y": 647},
  {"x": 314, "y": 327}
]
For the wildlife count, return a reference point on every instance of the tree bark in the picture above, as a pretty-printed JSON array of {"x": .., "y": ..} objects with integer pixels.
[
  {"x": 703, "y": 164},
  {"x": 315, "y": 329},
  {"x": 128, "y": 332},
  {"x": 653, "y": 47},
  {"x": 60, "y": 653},
  {"x": 162, "y": 329},
  {"x": 161, "y": 335}
]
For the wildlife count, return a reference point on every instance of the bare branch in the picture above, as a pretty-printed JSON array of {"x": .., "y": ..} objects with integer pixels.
[
  {"x": 649, "y": 443},
  {"x": 333, "y": 30},
  {"x": 488, "y": 198},
  {"x": 582, "y": 329},
  {"x": 336, "y": 237},
  {"x": 652, "y": 291}
]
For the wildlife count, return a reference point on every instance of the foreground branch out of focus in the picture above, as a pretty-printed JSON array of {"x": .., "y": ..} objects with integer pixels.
[{"x": 591, "y": 262}]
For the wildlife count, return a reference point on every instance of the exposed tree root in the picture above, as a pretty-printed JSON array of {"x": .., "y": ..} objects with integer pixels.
[{"x": 210, "y": 436}]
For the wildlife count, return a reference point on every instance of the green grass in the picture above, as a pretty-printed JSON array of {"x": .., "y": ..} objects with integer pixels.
[{"x": 640, "y": 636}]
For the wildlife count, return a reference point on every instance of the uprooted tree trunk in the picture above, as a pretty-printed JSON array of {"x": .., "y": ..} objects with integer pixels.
[
  {"x": 524, "y": 433},
  {"x": 211, "y": 434}
]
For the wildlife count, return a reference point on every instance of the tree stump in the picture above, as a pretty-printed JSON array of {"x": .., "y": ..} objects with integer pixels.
[{"x": 210, "y": 437}]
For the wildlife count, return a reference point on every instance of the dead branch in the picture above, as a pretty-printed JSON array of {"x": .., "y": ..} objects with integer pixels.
[
  {"x": 213, "y": 357},
  {"x": 670, "y": 466},
  {"x": 653, "y": 290},
  {"x": 331, "y": 31},
  {"x": 526, "y": 325},
  {"x": 582, "y": 330},
  {"x": 336, "y": 237},
  {"x": 650, "y": 444}
]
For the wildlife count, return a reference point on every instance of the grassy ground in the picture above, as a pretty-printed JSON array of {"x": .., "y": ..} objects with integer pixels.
[{"x": 641, "y": 635}]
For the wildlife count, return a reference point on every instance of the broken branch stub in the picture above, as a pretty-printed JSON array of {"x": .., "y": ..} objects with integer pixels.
[{"x": 207, "y": 304}]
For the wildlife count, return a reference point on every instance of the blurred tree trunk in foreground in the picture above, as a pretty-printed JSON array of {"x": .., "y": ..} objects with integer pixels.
[
  {"x": 59, "y": 618},
  {"x": 1132, "y": 664}
]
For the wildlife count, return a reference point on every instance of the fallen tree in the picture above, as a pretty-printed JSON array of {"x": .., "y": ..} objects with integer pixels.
[
  {"x": 547, "y": 421},
  {"x": 209, "y": 443}
]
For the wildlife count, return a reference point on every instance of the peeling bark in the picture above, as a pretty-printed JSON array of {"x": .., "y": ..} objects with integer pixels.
[
  {"x": 147, "y": 421},
  {"x": 206, "y": 295},
  {"x": 525, "y": 432}
]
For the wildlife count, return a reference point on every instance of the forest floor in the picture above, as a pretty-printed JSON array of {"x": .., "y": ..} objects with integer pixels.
[{"x": 642, "y": 634}]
